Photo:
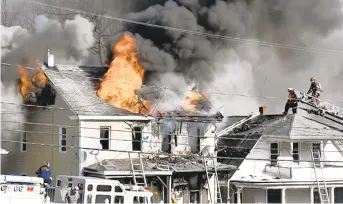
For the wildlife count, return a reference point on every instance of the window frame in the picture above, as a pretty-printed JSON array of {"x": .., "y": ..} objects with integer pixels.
[
  {"x": 23, "y": 142},
  {"x": 62, "y": 137},
  {"x": 105, "y": 139},
  {"x": 134, "y": 138},
  {"x": 296, "y": 153},
  {"x": 273, "y": 162}
]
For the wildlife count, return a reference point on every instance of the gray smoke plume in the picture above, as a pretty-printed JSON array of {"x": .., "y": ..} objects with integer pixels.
[
  {"x": 248, "y": 68},
  {"x": 10, "y": 116}
]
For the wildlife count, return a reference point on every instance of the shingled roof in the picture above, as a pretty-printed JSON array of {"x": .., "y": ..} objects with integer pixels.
[{"x": 76, "y": 87}]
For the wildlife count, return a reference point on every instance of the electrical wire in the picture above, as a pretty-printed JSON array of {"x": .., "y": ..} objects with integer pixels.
[
  {"x": 161, "y": 142},
  {"x": 157, "y": 154},
  {"x": 161, "y": 88},
  {"x": 216, "y": 36}
]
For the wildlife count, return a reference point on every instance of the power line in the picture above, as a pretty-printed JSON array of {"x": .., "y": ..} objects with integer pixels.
[
  {"x": 116, "y": 130},
  {"x": 197, "y": 33},
  {"x": 159, "y": 153},
  {"x": 173, "y": 89},
  {"x": 177, "y": 143}
]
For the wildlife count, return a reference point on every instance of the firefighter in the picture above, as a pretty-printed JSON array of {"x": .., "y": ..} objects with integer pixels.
[
  {"x": 315, "y": 88},
  {"x": 292, "y": 101}
]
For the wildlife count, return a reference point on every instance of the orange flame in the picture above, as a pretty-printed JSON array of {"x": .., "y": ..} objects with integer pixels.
[
  {"x": 193, "y": 100},
  {"x": 30, "y": 82},
  {"x": 124, "y": 77}
]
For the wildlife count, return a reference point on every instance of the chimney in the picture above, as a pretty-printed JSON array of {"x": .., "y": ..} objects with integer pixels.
[
  {"x": 263, "y": 110},
  {"x": 51, "y": 60}
]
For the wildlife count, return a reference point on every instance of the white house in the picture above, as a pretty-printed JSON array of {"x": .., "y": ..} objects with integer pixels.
[
  {"x": 80, "y": 134},
  {"x": 279, "y": 162}
]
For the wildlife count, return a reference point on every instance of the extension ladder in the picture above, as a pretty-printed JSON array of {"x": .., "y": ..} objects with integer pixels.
[
  {"x": 321, "y": 184},
  {"x": 218, "y": 198},
  {"x": 138, "y": 173},
  {"x": 323, "y": 106}
]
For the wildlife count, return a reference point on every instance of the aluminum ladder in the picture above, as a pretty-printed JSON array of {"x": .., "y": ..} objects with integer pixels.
[
  {"x": 321, "y": 184},
  {"x": 322, "y": 105},
  {"x": 138, "y": 173},
  {"x": 218, "y": 198}
]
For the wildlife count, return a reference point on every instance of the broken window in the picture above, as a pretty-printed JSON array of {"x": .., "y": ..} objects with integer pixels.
[
  {"x": 105, "y": 137},
  {"x": 137, "y": 138},
  {"x": 295, "y": 151},
  {"x": 274, "y": 153},
  {"x": 63, "y": 139},
  {"x": 23, "y": 142}
]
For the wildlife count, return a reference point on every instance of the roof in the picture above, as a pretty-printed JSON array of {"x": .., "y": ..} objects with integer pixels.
[
  {"x": 190, "y": 116},
  {"x": 177, "y": 164},
  {"x": 240, "y": 141},
  {"x": 75, "y": 86}
]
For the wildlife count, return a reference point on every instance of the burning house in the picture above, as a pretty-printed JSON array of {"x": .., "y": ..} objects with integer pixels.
[{"x": 107, "y": 129}]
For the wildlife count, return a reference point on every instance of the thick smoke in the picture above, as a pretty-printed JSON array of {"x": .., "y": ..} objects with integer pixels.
[
  {"x": 247, "y": 68},
  {"x": 10, "y": 116},
  {"x": 68, "y": 41}
]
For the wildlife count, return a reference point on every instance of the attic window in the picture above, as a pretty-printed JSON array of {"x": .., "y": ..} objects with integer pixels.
[
  {"x": 105, "y": 137},
  {"x": 137, "y": 138}
]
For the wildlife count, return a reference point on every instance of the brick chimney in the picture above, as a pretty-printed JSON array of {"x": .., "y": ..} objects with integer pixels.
[{"x": 263, "y": 110}]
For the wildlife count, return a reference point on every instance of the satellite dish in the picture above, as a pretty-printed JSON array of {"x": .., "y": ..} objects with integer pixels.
[{"x": 83, "y": 156}]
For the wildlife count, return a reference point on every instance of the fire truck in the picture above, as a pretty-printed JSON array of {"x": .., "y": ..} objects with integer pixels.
[
  {"x": 19, "y": 189},
  {"x": 97, "y": 190}
]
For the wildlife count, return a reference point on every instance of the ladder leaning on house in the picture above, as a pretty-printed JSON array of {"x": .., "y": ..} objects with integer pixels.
[
  {"x": 321, "y": 184},
  {"x": 218, "y": 198},
  {"x": 137, "y": 173}
]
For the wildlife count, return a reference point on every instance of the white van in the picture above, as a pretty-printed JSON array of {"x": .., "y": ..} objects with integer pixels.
[
  {"x": 21, "y": 189},
  {"x": 97, "y": 190}
]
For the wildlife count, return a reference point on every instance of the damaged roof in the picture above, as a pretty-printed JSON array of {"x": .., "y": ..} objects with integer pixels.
[
  {"x": 75, "y": 86},
  {"x": 301, "y": 126},
  {"x": 177, "y": 164}
]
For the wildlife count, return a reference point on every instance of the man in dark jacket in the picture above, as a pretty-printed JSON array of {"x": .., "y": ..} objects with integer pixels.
[
  {"x": 45, "y": 173},
  {"x": 292, "y": 102},
  {"x": 315, "y": 88}
]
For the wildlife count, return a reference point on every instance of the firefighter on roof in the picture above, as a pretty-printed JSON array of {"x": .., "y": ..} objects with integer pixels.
[
  {"x": 292, "y": 102},
  {"x": 315, "y": 88}
]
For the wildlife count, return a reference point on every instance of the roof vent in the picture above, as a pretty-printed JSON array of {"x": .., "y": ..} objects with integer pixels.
[
  {"x": 51, "y": 60},
  {"x": 263, "y": 110}
]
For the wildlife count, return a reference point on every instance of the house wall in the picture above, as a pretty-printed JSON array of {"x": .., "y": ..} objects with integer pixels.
[
  {"x": 46, "y": 131},
  {"x": 120, "y": 140}
]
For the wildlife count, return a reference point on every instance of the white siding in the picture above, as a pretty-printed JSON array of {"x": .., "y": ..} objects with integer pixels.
[{"x": 120, "y": 140}]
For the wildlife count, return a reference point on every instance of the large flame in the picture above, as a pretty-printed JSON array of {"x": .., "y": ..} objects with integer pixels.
[
  {"x": 193, "y": 100},
  {"x": 30, "y": 82},
  {"x": 124, "y": 78}
]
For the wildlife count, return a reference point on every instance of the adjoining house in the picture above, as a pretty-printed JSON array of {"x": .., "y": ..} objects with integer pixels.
[
  {"x": 279, "y": 162},
  {"x": 80, "y": 134}
]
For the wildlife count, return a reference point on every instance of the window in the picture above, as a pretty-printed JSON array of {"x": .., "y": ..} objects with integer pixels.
[
  {"x": 118, "y": 189},
  {"x": 274, "y": 153},
  {"x": 137, "y": 139},
  {"x": 119, "y": 199},
  {"x": 316, "y": 196},
  {"x": 105, "y": 137},
  {"x": 316, "y": 153},
  {"x": 104, "y": 188},
  {"x": 62, "y": 139},
  {"x": 24, "y": 142},
  {"x": 295, "y": 152},
  {"x": 90, "y": 187},
  {"x": 59, "y": 183},
  {"x": 102, "y": 198},
  {"x": 274, "y": 195},
  {"x": 140, "y": 199}
]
